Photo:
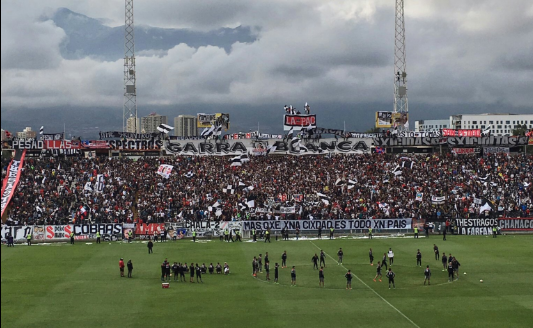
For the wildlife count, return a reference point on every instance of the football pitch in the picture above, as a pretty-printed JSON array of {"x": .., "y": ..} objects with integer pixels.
[{"x": 62, "y": 285}]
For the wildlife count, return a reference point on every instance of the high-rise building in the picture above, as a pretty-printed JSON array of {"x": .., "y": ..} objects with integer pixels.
[
  {"x": 133, "y": 125},
  {"x": 27, "y": 133},
  {"x": 150, "y": 123},
  {"x": 185, "y": 126}
]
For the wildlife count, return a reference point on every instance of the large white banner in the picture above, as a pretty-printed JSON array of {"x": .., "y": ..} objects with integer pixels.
[
  {"x": 304, "y": 225},
  {"x": 19, "y": 233},
  {"x": 270, "y": 147}
]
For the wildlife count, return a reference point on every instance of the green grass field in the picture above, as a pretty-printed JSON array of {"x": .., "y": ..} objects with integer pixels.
[{"x": 79, "y": 286}]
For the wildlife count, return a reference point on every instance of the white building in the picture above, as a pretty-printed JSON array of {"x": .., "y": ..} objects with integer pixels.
[
  {"x": 431, "y": 125},
  {"x": 185, "y": 126},
  {"x": 27, "y": 133},
  {"x": 133, "y": 125},
  {"x": 499, "y": 124},
  {"x": 150, "y": 123}
]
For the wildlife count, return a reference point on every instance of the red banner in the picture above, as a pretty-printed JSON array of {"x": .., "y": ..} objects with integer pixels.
[
  {"x": 464, "y": 150},
  {"x": 12, "y": 178},
  {"x": 149, "y": 229},
  {"x": 530, "y": 141},
  {"x": 61, "y": 144},
  {"x": 299, "y": 121},
  {"x": 460, "y": 133},
  {"x": 96, "y": 144}
]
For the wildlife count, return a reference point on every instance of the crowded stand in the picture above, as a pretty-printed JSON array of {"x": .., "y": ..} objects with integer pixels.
[{"x": 357, "y": 186}]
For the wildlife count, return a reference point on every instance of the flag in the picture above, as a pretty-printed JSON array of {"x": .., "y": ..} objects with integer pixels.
[
  {"x": 164, "y": 128},
  {"x": 38, "y": 209},
  {"x": 290, "y": 133},
  {"x": 379, "y": 150},
  {"x": 271, "y": 149},
  {"x": 484, "y": 208},
  {"x": 397, "y": 170},
  {"x": 88, "y": 186},
  {"x": 408, "y": 164},
  {"x": 41, "y": 130},
  {"x": 406, "y": 125},
  {"x": 419, "y": 196},
  {"x": 189, "y": 174},
  {"x": 8, "y": 134},
  {"x": 165, "y": 170},
  {"x": 250, "y": 201},
  {"x": 339, "y": 182},
  {"x": 208, "y": 132},
  {"x": 323, "y": 198},
  {"x": 217, "y": 130},
  {"x": 438, "y": 200},
  {"x": 351, "y": 184},
  {"x": 228, "y": 190}
]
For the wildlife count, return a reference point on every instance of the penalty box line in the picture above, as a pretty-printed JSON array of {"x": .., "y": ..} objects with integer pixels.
[{"x": 383, "y": 299}]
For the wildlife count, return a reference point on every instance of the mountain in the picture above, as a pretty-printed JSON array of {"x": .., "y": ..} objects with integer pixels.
[{"x": 87, "y": 36}]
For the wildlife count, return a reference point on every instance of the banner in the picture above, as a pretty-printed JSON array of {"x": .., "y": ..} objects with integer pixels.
[
  {"x": 152, "y": 144},
  {"x": 26, "y": 144},
  {"x": 12, "y": 177},
  {"x": 306, "y": 225},
  {"x": 127, "y": 135},
  {"x": 208, "y": 228},
  {"x": 475, "y": 226},
  {"x": 399, "y": 119},
  {"x": 515, "y": 224},
  {"x": 52, "y": 136},
  {"x": 298, "y": 122},
  {"x": 126, "y": 228},
  {"x": 61, "y": 144},
  {"x": 293, "y": 147},
  {"x": 383, "y": 119},
  {"x": 100, "y": 183},
  {"x": 19, "y": 233},
  {"x": 206, "y": 120},
  {"x": 495, "y": 150},
  {"x": 530, "y": 142},
  {"x": 452, "y": 141},
  {"x": 437, "y": 200},
  {"x": 165, "y": 170},
  {"x": 38, "y": 232},
  {"x": 148, "y": 229},
  {"x": 419, "y": 196},
  {"x": 88, "y": 231},
  {"x": 95, "y": 144},
  {"x": 462, "y": 151},
  {"x": 461, "y": 133},
  {"x": 54, "y": 232}
]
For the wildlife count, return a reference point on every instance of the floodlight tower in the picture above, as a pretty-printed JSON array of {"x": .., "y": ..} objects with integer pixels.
[
  {"x": 400, "y": 74},
  {"x": 130, "y": 88}
]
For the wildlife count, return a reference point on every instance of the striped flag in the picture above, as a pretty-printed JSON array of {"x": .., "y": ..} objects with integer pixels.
[
  {"x": 165, "y": 128},
  {"x": 41, "y": 130}
]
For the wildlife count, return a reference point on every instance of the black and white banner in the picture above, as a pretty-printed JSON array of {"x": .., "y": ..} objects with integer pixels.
[
  {"x": 127, "y": 135},
  {"x": 306, "y": 225},
  {"x": 210, "y": 227},
  {"x": 100, "y": 183},
  {"x": 452, "y": 141},
  {"x": 516, "y": 224},
  {"x": 9, "y": 185},
  {"x": 19, "y": 233},
  {"x": 475, "y": 226},
  {"x": 88, "y": 231},
  {"x": 292, "y": 147}
]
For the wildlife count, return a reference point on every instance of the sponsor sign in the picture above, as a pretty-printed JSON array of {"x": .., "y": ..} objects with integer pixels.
[
  {"x": 12, "y": 178},
  {"x": 19, "y": 233},
  {"x": 399, "y": 119},
  {"x": 475, "y": 226},
  {"x": 293, "y": 147},
  {"x": 451, "y": 141},
  {"x": 461, "y": 133},
  {"x": 383, "y": 119},
  {"x": 298, "y": 121},
  {"x": 516, "y": 224},
  {"x": 306, "y": 225},
  {"x": 38, "y": 232},
  {"x": 54, "y": 232}
]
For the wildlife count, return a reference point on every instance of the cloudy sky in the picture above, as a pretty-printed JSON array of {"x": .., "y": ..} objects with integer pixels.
[{"x": 459, "y": 53}]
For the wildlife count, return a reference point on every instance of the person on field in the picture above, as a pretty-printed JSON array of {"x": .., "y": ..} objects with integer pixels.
[
  {"x": 348, "y": 277},
  {"x": 191, "y": 271},
  {"x": 314, "y": 259},
  {"x": 72, "y": 238},
  {"x": 322, "y": 258},
  {"x": 130, "y": 268},
  {"x": 98, "y": 237},
  {"x": 10, "y": 241},
  {"x": 150, "y": 246},
  {"x": 198, "y": 274},
  {"x": 416, "y": 232},
  {"x": 331, "y": 230},
  {"x": 391, "y": 275},
  {"x": 378, "y": 272},
  {"x": 284, "y": 259},
  {"x": 276, "y": 274},
  {"x": 371, "y": 256},
  {"x": 340, "y": 254},
  {"x": 183, "y": 269},
  {"x": 267, "y": 270},
  {"x": 293, "y": 276},
  {"x": 391, "y": 256},
  {"x": 28, "y": 239},
  {"x": 418, "y": 258},
  {"x": 444, "y": 261},
  {"x": 427, "y": 275},
  {"x": 321, "y": 277},
  {"x": 121, "y": 267},
  {"x": 384, "y": 261},
  {"x": 436, "y": 251}
]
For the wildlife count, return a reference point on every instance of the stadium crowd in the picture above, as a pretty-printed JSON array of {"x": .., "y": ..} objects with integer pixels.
[{"x": 61, "y": 190}]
